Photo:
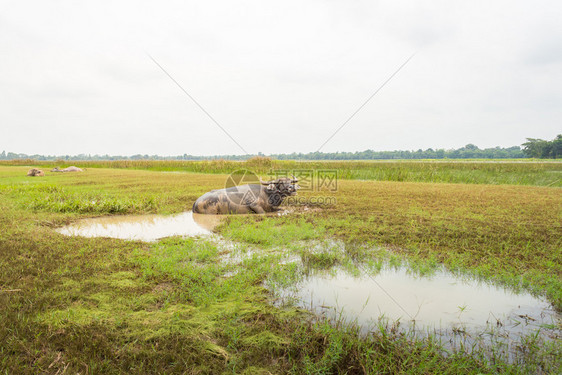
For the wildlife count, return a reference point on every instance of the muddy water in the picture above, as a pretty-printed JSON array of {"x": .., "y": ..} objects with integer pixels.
[
  {"x": 442, "y": 304},
  {"x": 144, "y": 227}
]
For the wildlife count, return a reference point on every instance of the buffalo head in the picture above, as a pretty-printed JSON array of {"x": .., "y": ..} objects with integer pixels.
[{"x": 280, "y": 188}]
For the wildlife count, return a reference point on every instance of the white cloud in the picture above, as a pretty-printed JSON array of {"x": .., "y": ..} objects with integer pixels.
[{"x": 279, "y": 76}]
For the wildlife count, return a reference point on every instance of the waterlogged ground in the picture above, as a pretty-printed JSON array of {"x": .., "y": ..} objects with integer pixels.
[
  {"x": 438, "y": 302},
  {"x": 459, "y": 311},
  {"x": 219, "y": 303}
]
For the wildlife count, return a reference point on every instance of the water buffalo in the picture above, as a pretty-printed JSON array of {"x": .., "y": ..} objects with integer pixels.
[
  {"x": 247, "y": 199},
  {"x": 69, "y": 169},
  {"x": 35, "y": 172}
]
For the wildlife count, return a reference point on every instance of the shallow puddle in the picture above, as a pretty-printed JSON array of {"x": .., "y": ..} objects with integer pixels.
[
  {"x": 144, "y": 227},
  {"x": 441, "y": 304}
]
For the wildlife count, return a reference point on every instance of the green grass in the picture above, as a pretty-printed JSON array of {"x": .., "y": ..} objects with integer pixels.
[
  {"x": 53, "y": 198},
  {"x": 94, "y": 305},
  {"x": 280, "y": 231},
  {"x": 509, "y": 234},
  {"x": 497, "y": 172}
]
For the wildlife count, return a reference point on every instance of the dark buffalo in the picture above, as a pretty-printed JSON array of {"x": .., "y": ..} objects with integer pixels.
[{"x": 247, "y": 199}]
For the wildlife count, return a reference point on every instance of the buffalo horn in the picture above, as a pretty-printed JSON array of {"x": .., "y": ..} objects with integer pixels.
[{"x": 265, "y": 182}]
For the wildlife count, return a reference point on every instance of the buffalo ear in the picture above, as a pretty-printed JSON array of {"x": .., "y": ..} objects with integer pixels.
[{"x": 271, "y": 187}]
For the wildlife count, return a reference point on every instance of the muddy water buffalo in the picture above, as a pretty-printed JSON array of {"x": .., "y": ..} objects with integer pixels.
[
  {"x": 69, "y": 169},
  {"x": 35, "y": 172},
  {"x": 247, "y": 199}
]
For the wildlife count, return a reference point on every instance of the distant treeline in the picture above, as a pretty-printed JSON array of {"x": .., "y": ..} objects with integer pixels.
[
  {"x": 533, "y": 148},
  {"x": 469, "y": 151}
]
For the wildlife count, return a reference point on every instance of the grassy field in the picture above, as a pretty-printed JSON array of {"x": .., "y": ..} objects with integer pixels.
[
  {"x": 103, "y": 306},
  {"x": 500, "y": 172}
]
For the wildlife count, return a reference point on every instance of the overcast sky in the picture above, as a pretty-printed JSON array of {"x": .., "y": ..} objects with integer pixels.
[{"x": 279, "y": 76}]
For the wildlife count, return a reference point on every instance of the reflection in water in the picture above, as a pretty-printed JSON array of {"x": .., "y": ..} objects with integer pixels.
[
  {"x": 143, "y": 227},
  {"x": 442, "y": 303},
  {"x": 208, "y": 222}
]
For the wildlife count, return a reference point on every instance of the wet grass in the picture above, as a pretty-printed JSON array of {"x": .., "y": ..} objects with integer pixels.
[
  {"x": 108, "y": 306},
  {"x": 510, "y": 234},
  {"x": 281, "y": 231}
]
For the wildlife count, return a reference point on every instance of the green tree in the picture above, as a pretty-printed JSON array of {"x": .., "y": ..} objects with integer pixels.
[
  {"x": 539, "y": 148},
  {"x": 557, "y": 147}
]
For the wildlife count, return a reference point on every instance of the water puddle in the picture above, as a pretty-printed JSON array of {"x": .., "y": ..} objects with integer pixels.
[
  {"x": 459, "y": 309},
  {"x": 144, "y": 227}
]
